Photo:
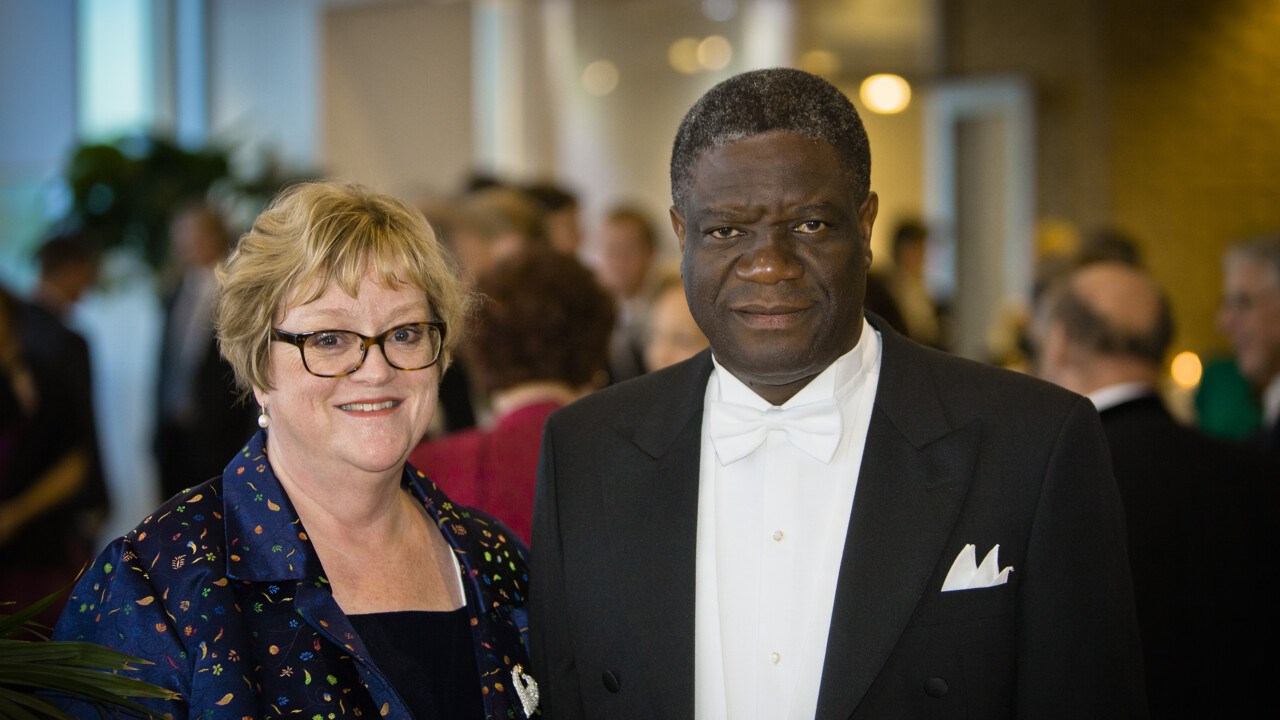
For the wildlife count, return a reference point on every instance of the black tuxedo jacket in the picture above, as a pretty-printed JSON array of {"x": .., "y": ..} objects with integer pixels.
[
  {"x": 64, "y": 421},
  {"x": 956, "y": 453},
  {"x": 1203, "y": 530},
  {"x": 192, "y": 451}
]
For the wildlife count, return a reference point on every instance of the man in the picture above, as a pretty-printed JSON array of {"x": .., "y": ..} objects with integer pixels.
[
  {"x": 201, "y": 422},
  {"x": 1250, "y": 318},
  {"x": 626, "y": 257},
  {"x": 1201, "y": 524},
  {"x": 561, "y": 215},
  {"x": 53, "y": 496},
  {"x": 906, "y": 283},
  {"x": 790, "y": 525}
]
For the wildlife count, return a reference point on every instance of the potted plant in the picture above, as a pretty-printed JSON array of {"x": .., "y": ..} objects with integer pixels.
[{"x": 30, "y": 668}]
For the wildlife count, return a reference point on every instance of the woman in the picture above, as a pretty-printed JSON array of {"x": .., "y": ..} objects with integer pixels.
[
  {"x": 672, "y": 335},
  {"x": 320, "y": 575},
  {"x": 541, "y": 341}
]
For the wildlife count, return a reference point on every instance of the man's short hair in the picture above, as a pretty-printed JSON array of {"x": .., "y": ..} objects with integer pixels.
[
  {"x": 550, "y": 196},
  {"x": 906, "y": 233},
  {"x": 638, "y": 219},
  {"x": 763, "y": 101},
  {"x": 1263, "y": 250},
  {"x": 64, "y": 250},
  {"x": 1086, "y": 328}
]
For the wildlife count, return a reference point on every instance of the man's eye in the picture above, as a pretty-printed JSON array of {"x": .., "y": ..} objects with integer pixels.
[
  {"x": 724, "y": 233},
  {"x": 811, "y": 226}
]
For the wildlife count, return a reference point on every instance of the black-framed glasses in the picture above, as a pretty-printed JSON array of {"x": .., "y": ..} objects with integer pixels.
[{"x": 335, "y": 353}]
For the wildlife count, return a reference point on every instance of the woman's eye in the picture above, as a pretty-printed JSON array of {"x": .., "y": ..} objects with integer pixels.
[
  {"x": 811, "y": 226},
  {"x": 407, "y": 335}
]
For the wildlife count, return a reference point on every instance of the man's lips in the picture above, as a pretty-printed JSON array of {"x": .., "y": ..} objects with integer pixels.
[{"x": 762, "y": 315}]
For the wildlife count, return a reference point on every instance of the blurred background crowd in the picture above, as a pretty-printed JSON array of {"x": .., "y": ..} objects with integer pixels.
[{"x": 1013, "y": 144}]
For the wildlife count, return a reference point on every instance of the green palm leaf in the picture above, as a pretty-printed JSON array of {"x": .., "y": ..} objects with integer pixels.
[{"x": 86, "y": 671}]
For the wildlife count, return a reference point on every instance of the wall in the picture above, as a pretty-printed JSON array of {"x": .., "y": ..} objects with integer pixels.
[
  {"x": 1159, "y": 118},
  {"x": 264, "y": 81},
  {"x": 397, "y": 95},
  {"x": 1195, "y": 139},
  {"x": 38, "y": 124},
  {"x": 1055, "y": 44}
]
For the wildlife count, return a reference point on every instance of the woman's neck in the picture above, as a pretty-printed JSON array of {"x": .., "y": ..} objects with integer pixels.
[{"x": 364, "y": 505}]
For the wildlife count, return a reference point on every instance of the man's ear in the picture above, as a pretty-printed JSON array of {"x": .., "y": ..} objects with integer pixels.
[
  {"x": 677, "y": 224},
  {"x": 867, "y": 220}
]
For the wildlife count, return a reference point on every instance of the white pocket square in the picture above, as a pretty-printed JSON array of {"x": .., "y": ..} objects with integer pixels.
[{"x": 967, "y": 574}]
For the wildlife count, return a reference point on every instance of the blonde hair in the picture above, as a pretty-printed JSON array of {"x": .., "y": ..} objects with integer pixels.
[{"x": 310, "y": 237}]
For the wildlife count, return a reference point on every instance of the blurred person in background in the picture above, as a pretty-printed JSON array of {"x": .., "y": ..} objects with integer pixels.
[
  {"x": 1108, "y": 244},
  {"x": 494, "y": 223},
  {"x": 1201, "y": 514},
  {"x": 905, "y": 282},
  {"x": 484, "y": 227},
  {"x": 673, "y": 335},
  {"x": 539, "y": 341},
  {"x": 1250, "y": 318},
  {"x": 561, "y": 216},
  {"x": 17, "y": 387},
  {"x": 627, "y": 252},
  {"x": 320, "y": 574},
  {"x": 200, "y": 419},
  {"x": 53, "y": 496}
]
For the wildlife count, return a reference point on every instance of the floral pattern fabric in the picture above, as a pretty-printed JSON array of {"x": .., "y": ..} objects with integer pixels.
[{"x": 223, "y": 592}]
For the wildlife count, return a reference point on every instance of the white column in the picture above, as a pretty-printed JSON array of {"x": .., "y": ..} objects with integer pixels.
[{"x": 768, "y": 34}]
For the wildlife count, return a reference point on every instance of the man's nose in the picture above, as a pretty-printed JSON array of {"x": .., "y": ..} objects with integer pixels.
[{"x": 770, "y": 260}]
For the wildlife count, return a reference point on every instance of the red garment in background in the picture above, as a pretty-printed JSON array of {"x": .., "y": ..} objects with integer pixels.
[{"x": 491, "y": 470}]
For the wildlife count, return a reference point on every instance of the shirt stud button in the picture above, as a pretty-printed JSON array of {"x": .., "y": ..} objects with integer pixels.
[
  {"x": 775, "y": 658},
  {"x": 777, "y": 536}
]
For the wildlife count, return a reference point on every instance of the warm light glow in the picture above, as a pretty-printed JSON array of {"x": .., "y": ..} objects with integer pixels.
[
  {"x": 683, "y": 55},
  {"x": 820, "y": 62},
  {"x": 714, "y": 52},
  {"x": 600, "y": 78},
  {"x": 886, "y": 94},
  {"x": 1186, "y": 369}
]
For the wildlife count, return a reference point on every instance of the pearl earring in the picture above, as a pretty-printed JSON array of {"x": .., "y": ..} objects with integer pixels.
[{"x": 263, "y": 418}]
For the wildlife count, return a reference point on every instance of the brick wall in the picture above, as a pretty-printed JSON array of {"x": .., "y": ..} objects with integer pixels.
[{"x": 1159, "y": 117}]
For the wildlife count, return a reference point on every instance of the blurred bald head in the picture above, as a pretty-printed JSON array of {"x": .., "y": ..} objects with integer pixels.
[{"x": 1102, "y": 324}]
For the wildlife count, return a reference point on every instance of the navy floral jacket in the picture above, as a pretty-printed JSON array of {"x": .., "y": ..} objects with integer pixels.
[{"x": 222, "y": 590}]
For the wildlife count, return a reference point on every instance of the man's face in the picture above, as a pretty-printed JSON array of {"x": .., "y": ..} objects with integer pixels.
[
  {"x": 625, "y": 258},
  {"x": 775, "y": 255},
  {"x": 1250, "y": 318}
]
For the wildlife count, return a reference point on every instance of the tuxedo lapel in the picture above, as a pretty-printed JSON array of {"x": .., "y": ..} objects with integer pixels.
[
  {"x": 914, "y": 476},
  {"x": 652, "y": 501}
]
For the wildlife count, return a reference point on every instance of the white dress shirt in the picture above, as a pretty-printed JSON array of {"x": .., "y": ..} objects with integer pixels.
[
  {"x": 1271, "y": 403},
  {"x": 771, "y": 533},
  {"x": 1105, "y": 398},
  {"x": 192, "y": 324}
]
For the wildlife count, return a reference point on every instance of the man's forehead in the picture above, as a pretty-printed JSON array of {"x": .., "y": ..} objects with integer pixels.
[
  {"x": 1250, "y": 273},
  {"x": 766, "y": 161}
]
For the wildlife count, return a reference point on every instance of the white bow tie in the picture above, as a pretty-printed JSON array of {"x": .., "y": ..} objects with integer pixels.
[{"x": 737, "y": 430}]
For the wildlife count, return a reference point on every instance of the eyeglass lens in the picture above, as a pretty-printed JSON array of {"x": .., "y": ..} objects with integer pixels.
[{"x": 407, "y": 347}]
